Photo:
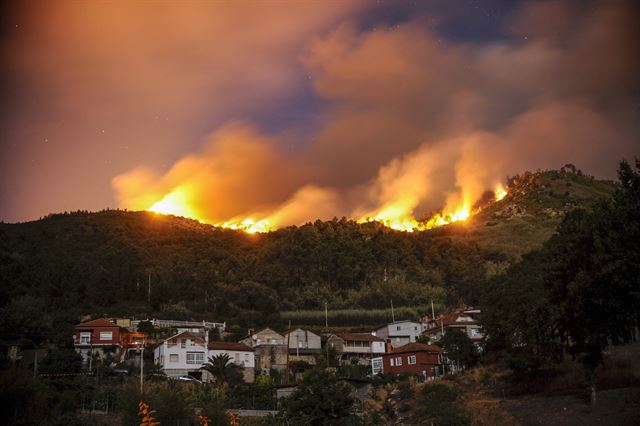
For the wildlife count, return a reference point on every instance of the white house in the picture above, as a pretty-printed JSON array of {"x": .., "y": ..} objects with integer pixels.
[
  {"x": 182, "y": 354},
  {"x": 240, "y": 354},
  {"x": 400, "y": 333}
]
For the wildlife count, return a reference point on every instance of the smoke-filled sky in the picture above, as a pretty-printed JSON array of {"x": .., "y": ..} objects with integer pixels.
[{"x": 294, "y": 111}]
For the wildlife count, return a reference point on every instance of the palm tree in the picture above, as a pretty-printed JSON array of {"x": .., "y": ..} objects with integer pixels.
[{"x": 221, "y": 368}]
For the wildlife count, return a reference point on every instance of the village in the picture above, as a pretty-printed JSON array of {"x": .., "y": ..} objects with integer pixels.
[{"x": 181, "y": 348}]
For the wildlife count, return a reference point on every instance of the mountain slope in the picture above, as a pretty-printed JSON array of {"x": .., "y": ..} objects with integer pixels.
[{"x": 101, "y": 262}]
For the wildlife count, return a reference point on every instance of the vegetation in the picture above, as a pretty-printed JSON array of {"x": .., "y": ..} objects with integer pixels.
[{"x": 578, "y": 293}]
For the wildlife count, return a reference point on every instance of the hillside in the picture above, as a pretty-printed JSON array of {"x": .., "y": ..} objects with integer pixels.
[
  {"x": 100, "y": 262},
  {"x": 531, "y": 211}
]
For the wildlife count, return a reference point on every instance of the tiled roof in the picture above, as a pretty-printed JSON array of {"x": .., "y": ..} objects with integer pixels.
[
  {"x": 229, "y": 346},
  {"x": 449, "y": 319},
  {"x": 366, "y": 337},
  {"x": 101, "y": 322},
  {"x": 416, "y": 347}
]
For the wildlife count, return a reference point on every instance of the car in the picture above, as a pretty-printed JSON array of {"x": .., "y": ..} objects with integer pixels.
[
  {"x": 119, "y": 372},
  {"x": 157, "y": 377},
  {"x": 190, "y": 379}
]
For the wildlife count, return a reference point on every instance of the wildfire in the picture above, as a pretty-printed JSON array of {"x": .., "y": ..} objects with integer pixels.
[
  {"x": 175, "y": 203},
  {"x": 398, "y": 216},
  {"x": 247, "y": 225},
  {"x": 404, "y": 221},
  {"x": 500, "y": 192}
]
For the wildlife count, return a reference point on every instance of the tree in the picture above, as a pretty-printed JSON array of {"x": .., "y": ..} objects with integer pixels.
[
  {"x": 320, "y": 399},
  {"x": 460, "y": 349},
  {"x": 222, "y": 369},
  {"x": 517, "y": 319},
  {"x": 594, "y": 273},
  {"x": 440, "y": 405},
  {"x": 146, "y": 327}
]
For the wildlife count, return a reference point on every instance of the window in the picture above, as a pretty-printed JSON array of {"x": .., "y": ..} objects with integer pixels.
[
  {"x": 106, "y": 335},
  {"x": 392, "y": 361},
  {"x": 183, "y": 343},
  {"x": 397, "y": 328},
  {"x": 85, "y": 337},
  {"x": 411, "y": 359},
  {"x": 173, "y": 358},
  {"x": 398, "y": 361},
  {"x": 195, "y": 357},
  {"x": 236, "y": 358}
]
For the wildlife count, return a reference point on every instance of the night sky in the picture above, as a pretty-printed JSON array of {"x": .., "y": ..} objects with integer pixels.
[{"x": 305, "y": 110}]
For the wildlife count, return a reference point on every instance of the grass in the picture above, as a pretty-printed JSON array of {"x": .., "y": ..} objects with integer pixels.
[{"x": 353, "y": 317}]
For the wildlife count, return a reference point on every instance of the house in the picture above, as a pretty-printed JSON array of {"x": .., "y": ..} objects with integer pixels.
[
  {"x": 131, "y": 343},
  {"x": 182, "y": 354},
  {"x": 463, "y": 320},
  {"x": 240, "y": 354},
  {"x": 356, "y": 346},
  {"x": 400, "y": 332},
  {"x": 414, "y": 358},
  {"x": 97, "y": 338},
  {"x": 302, "y": 345},
  {"x": 270, "y": 348}
]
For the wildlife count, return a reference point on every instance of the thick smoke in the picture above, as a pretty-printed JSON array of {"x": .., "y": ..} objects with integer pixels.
[{"x": 413, "y": 123}]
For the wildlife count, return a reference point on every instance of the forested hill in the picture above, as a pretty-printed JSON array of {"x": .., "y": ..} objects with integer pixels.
[{"x": 99, "y": 263}]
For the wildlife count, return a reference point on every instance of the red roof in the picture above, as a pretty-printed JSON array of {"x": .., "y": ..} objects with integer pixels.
[
  {"x": 449, "y": 319},
  {"x": 366, "y": 337},
  {"x": 229, "y": 346},
  {"x": 97, "y": 323},
  {"x": 416, "y": 347}
]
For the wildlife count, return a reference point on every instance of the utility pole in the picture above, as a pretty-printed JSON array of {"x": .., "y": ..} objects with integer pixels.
[
  {"x": 433, "y": 315},
  {"x": 393, "y": 316},
  {"x": 142, "y": 366},
  {"x": 326, "y": 317}
]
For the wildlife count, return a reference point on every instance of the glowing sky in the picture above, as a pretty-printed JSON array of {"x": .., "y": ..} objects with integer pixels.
[{"x": 304, "y": 110}]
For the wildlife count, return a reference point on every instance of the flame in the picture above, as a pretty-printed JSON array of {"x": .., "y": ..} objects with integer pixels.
[
  {"x": 403, "y": 220},
  {"x": 175, "y": 203},
  {"x": 500, "y": 192},
  {"x": 247, "y": 225},
  {"x": 397, "y": 215}
]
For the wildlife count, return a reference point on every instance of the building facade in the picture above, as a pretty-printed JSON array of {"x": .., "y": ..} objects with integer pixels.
[
  {"x": 400, "y": 333},
  {"x": 97, "y": 339},
  {"x": 303, "y": 345},
  {"x": 463, "y": 320},
  {"x": 181, "y": 355},
  {"x": 270, "y": 350},
  {"x": 240, "y": 354},
  {"x": 414, "y": 358},
  {"x": 359, "y": 347}
]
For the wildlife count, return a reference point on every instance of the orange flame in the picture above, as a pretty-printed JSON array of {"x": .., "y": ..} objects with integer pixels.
[
  {"x": 175, "y": 203},
  {"x": 500, "y": 192},
  {"x": 397, "y": 215}
]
